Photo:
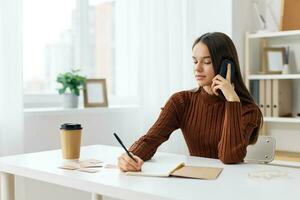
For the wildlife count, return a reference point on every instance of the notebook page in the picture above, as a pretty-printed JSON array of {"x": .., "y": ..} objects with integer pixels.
[{"x": 156, "y": 169}]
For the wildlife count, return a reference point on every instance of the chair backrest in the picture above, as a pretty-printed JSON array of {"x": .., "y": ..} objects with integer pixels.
[{"x": 263, "y": 151}]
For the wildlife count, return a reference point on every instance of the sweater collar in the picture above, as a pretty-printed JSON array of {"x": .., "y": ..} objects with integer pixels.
[{"x": 209, "y": 98}]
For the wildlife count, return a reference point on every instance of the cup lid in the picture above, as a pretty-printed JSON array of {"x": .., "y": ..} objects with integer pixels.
[{"x": 71, "y": 126}]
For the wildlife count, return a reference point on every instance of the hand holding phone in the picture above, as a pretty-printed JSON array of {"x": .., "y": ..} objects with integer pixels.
[
  {"x": 223, "y": 69},
  {"x": 225, "y": 90}
]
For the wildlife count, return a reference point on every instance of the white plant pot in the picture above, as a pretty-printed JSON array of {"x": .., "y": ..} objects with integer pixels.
[{"x": 69, "y": 101}]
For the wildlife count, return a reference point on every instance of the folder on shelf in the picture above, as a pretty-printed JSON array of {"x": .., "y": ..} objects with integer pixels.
[
  {"x": 262, "y": 102},
  {"x": 268, "y": 98},
  {"x": 282, "y": 98},
  {"x": 254, "y": 90}
]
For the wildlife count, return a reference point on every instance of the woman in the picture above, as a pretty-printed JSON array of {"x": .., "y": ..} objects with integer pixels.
[{"x": 214, "y": 125}]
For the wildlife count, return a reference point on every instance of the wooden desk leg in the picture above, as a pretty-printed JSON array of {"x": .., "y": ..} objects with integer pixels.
[
  {"x": 96, "y": 197},
  {"x": 7, "y": 186}
]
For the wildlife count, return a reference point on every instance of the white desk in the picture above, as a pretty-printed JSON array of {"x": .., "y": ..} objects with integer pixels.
[{"x": 233, "y": 182}]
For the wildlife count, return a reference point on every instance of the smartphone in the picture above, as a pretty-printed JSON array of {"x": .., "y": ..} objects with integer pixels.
[{"x": 223, "y": 69}]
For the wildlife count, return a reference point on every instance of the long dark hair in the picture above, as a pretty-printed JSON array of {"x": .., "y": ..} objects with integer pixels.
[{"x": 220, "y": 46}]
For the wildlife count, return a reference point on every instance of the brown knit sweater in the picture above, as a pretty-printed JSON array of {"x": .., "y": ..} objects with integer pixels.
[{"x": 212, "y": 127}]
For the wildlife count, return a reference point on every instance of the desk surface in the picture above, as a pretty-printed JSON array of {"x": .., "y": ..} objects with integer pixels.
[{"x": 233, "y": 182}]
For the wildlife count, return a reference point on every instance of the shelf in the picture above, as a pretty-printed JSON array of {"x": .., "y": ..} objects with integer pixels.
[
  {"x": 273, "y": 76},
  {"x": 282, "y": 119},
  {"x": 274, "y": 34},
  {"x": 76, "y": 111},
  {"x": 287, "y": 156}
]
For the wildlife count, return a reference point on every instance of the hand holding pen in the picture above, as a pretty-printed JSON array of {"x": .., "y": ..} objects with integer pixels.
[{"x": 127, "y": 161}]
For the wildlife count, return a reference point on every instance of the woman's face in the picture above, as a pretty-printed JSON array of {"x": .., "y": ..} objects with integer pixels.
[{"x": 203, "y": 68}]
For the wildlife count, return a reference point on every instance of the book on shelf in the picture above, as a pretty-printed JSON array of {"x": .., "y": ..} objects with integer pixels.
[
  {"x": 268, "y": 98},
  {"x": 254, "y": 90},
  {"x": 262, "y": 101},
  {"x": 177, "y": 169}
]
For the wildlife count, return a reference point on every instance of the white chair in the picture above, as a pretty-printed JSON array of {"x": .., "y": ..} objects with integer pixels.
[{"x": 263, "y": 151}]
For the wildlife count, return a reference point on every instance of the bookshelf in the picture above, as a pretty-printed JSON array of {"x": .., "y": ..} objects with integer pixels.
[{"x": 284, "y": 129}]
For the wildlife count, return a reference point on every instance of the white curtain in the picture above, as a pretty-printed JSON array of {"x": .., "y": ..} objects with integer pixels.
[
  {"x": 165, "y": 51},
  {"x": 165, "y": 64},
  {"x": 168, "y": 30},
  {"x": 155, "y": 39},
  {"x": 11, "y": 105}
]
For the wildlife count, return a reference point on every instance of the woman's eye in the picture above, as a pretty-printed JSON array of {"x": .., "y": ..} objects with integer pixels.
[
  {"x": 195, "y": 62},
  {"x": 207, "y": 62}
]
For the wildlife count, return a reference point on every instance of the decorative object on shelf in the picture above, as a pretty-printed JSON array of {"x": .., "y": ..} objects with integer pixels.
[
  {"x": 71, "y": 83},
  {"x": 286, "y": 67},
  {"x": 290, "y": 15},
  {"x": 268, "y": 20},
  {"x": 95, "y": 93},
  {"x": 273, "y": 60},
  {"x": 260, "y": 17}
]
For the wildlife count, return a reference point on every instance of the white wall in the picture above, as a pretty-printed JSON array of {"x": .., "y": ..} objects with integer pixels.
[
  {"x": 42, "y": 127},
  {"x": 242, "y": 21}
]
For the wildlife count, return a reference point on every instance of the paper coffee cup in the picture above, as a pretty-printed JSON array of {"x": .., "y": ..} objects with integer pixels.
[{"x": 70, "y": 138}]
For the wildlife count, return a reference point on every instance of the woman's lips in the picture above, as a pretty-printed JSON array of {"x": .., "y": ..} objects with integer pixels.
[{"x": 199, "y": 77}]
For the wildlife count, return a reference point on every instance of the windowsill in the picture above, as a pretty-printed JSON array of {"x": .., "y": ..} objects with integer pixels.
[
  {"x": 81, "y": 110},
  {"x": 53, "y": 103}
]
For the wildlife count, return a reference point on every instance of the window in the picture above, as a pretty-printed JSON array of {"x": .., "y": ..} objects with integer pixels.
[
  {"x": 48, "y": 43},
  {"x": 61, "y": 35}
]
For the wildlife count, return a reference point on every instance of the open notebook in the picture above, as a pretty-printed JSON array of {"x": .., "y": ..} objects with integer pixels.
[{"x": 177, "y": 169}]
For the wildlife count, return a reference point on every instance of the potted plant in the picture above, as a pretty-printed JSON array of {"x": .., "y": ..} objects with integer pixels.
[{"x": 71, "y": 83}]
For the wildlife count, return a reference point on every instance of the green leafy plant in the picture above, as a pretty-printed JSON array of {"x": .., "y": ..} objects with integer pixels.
[{"x": 72, "y": 81}]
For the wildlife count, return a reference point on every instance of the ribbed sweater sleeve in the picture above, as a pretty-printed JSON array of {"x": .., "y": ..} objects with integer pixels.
[
  {"x": 239, "y": 123},
  {"x": 167, "y": 122}
]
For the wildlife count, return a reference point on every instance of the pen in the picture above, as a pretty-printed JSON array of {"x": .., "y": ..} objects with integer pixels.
[{"x": 121, "y": 143}]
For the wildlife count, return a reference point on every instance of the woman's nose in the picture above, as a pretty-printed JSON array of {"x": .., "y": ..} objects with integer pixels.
[{"x": 198, "y": 67}]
